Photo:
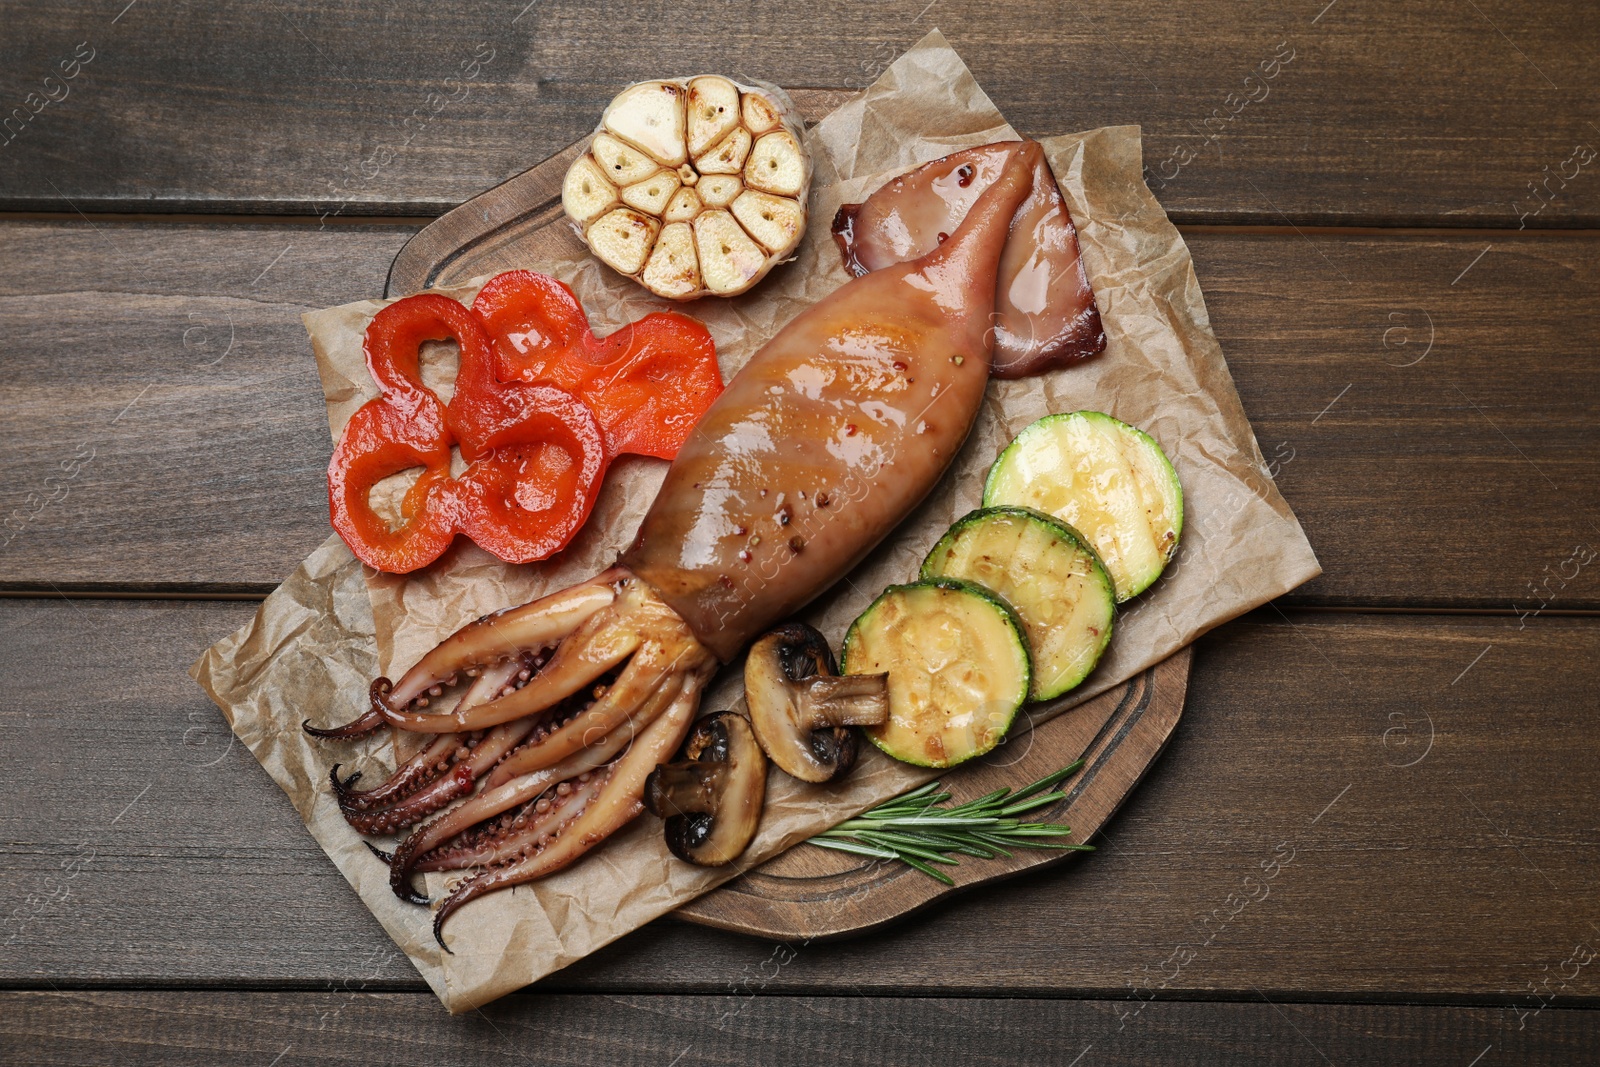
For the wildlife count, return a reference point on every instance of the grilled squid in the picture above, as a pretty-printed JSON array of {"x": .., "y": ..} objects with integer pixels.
[
  {"x": 1045, "y": 310},
  {"x": 819, "y": 447}
]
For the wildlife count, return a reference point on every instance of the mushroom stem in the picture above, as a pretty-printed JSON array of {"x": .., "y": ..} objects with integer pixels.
[
  {"x": 689, "y": 788},
  {"x": 822, "y": 701},
  {"x": 711, "y": 797}
]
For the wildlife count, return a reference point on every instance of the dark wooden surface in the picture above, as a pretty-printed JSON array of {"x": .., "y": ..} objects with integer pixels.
[
  {"x": 346, "y": 1027},
  {"x": 1417, "y": 725},
  {"x": 1431, "y": 113}
]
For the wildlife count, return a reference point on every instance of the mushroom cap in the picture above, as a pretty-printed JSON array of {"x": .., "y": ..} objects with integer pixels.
[
  {"x": 711, "y": 799},
  {"x": 800, "y": 708}
]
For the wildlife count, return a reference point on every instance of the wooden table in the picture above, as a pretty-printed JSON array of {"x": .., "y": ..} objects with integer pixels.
[{"x": 1398, "y": 249}]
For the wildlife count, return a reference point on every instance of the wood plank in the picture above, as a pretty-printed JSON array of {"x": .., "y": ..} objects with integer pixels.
[
  {"x": 1281, "y": 843},
  {"x": 155, "y": 372},
  {"x": 1397, "y": 456},
  {"x": 347, "y": 1026},
  {"x": 1430, "y": 112},
  {"x": 1412, "y": 394}
]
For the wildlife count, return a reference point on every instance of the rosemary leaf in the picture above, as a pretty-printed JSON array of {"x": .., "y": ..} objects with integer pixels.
[
  {"x": 931, "y": 872},
  {"x": 851, "y": 846},
  {"x": 920, "y": 830},
  {"x": 1040, "y": 801}
]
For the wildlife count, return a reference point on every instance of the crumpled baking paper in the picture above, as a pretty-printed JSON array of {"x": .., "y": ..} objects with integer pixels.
[{"x": 321, "y": 637}]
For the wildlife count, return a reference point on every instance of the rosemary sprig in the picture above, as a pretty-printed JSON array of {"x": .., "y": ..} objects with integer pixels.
[{"x": 915, "y": 828}]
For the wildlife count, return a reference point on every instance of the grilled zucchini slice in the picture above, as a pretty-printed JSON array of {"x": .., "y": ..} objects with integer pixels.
[
  {"x": 1049, "y": 575},
  {"x": 1103, "y": 478},
  {"x": 957, "y": 660}
]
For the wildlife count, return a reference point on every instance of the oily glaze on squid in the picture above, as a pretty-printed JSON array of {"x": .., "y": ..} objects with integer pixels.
[
  {"x": 1047, "y": 314},
  {"x": 819, "y": 447},
  {"x": 832, "y": 433}
]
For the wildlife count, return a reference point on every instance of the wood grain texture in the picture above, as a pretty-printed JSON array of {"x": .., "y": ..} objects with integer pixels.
[
  {"x": 1429, "y": 112},
  {"x": 149, "y": 851},
  {"x": 1356, "y": 808},
  {"x": 1412, "y": 395},
  {"x": 352, "y": 1027},
  {"x": 1456, "y": 481},
  {"x": 174, "y": 359}
]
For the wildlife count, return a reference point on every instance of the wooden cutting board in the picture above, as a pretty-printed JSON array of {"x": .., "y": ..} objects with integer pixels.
[
  {"x": 810, "y": 892},
  {"x": 815, "y": 893}
]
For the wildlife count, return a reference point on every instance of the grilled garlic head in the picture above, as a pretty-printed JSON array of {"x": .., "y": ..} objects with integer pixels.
[{"x": 692, "y": 186}]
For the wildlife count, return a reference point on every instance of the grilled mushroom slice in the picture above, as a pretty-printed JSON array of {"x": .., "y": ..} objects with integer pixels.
[
  {"x": 711, "y": 799},
  {"x": 801, "y": 709}
]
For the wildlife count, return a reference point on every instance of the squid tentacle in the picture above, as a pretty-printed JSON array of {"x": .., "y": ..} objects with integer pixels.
[
  {"x": 362, "y": 725},
  {"x": 538, "y": 753},
  {"x": 603, "y": 642},
  {"x": 499, "y": 798},
  {"x": 477, "y": 758},
  {"x": 459, "y": 782},
  {"x": 643, "y": 676},
  {"x": 378, "y": 696},
  {"x": 522, "y": 829},
  {"x": 482, "y": 643},
  {"x": 444, "y": 751},
  {"x": 422, "y": 768},
  {"x": 491, "y": 638},
  {"x": 618, "y": 803}
]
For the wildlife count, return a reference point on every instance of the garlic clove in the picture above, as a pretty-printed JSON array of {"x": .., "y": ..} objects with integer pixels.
[
  {"x": 585, "y": 193},
  {"x": 729, "y": 259},
  {"x": 718, "y": 190},
  {"x": 776, "y": 165},
  {"x": 713, "y": 112},
  {"x": 775, "y": 221},
  {"x": 683, "y": 206},
  {"x": 650, "y": 116},
  {"x": 759, "y": 116},
  {"x": 622, "y": 239},
  {"x": 673, "y": 271},
  {"x": 652, "y": 195},
  {"x": 728, "y": 156},
  {"x": 622, "y": 163}
]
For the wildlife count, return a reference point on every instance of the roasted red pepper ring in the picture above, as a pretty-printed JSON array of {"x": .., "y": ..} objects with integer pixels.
[
  {"x": 536, "y": 456},
  {"x": 647, "y": 384},
  {"x": 540, "y": 407},
  {"x": 538, "y": 460},
  {"x": 403, "y": 428}
]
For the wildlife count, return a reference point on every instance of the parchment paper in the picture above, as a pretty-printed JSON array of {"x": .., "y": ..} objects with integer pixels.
[{"x": 320, "y": 638}]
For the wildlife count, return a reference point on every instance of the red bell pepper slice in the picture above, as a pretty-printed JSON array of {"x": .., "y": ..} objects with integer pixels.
[
  {"x": 538, "y": 458},
  {"x": 540, "y": 407},
  {"x": 647, "y": 384},
  {"x": 536, "y": 454},
  {"x": 401, "y": 429}
]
